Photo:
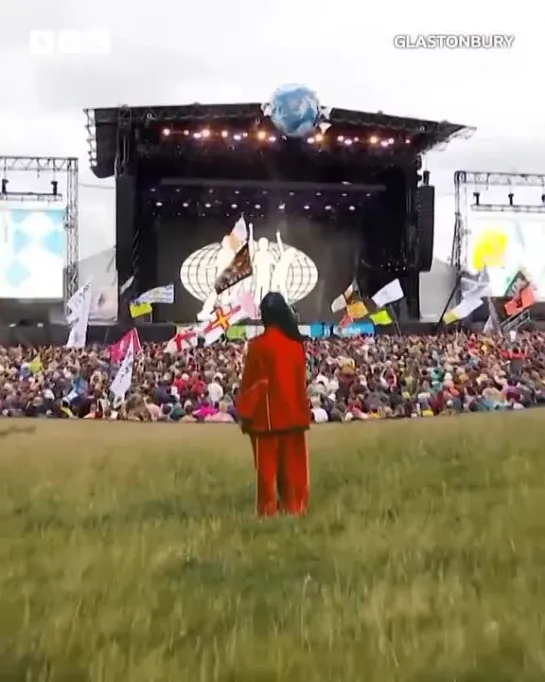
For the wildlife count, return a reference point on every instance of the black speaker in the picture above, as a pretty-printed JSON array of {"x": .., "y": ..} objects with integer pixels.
[
  {"x": 425, "y": 209},
  {"x": 125, "y": 206}
]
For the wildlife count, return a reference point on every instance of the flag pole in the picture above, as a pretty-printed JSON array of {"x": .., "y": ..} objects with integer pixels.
[{"x": 393, "y": 315}]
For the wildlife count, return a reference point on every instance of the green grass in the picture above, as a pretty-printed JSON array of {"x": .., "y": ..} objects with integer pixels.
[{"x": 131, "y": 553}]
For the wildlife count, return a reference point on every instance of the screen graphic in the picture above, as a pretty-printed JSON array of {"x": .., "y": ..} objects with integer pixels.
[
  {"x": 506, "y": 244},
  {"x": 309, "y": 262},
  {"x": 32, "y": 253}
]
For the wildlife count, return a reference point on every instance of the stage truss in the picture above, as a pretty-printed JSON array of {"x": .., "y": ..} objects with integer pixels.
[
  {"x": 54, "y": 166},
  {"x": 483, "y": 179}
]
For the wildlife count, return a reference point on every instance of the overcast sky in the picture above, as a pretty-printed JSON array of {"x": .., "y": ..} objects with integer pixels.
[{"x": 168, "y": 52}]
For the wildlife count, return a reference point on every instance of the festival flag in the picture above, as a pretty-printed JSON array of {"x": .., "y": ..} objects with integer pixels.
[
  {"x": 238, "y": 269},
  {"x": 35, "y": 366},
  {"x": 226, "y": 316},
  {"x": 162, "y": 294},
  {"x": 350, "y": 298},
  {"x": 462, "y": 310},
  {"x": 140, "y": 309},
  {"x": 382, "y": 318},
  {"x": 119, "y": 349},
  {"x": 238, "y": 235},
  {"x": 391, "y": 293},
  {"x": 79, "y": 307},
  {"x": 122, "y": 381},
  {"x": 517, "y": 284},
  {"x": 183, "y": 340},
  {"x": 522, "y": 301}
]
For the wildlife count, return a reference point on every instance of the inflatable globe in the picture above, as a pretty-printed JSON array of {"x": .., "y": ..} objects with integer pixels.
[{"x": 294, "y": 110}]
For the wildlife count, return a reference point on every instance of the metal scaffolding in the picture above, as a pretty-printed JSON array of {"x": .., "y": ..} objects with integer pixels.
[{"x": 67, "y": 167}]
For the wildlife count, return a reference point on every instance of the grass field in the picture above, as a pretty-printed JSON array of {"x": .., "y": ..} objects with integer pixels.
[{"x": 130, "y": 553}]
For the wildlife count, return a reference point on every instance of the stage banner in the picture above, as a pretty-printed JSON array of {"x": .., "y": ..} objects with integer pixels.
[{"x": 307, "y": 261}]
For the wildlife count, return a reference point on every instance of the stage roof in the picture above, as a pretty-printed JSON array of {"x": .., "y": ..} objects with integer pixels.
[{"x": 103, "y": 125}]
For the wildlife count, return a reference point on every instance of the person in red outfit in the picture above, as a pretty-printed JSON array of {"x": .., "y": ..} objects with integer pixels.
[{"x": 274, "y": 410}]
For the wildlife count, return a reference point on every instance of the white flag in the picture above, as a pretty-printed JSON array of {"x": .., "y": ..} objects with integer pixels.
[
  {"x": 78, "y": 317},
  {"x": 126, "y": 285},
  {"x": 123, "y": 379},
  {"x": 462, "y": 310},
  {"x": 75, "y": 302},
  {"x": 389, "y": 294},
  {"x": 164, "y": 294}
]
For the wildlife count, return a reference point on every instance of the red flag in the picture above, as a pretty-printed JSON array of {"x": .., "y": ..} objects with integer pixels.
[
  {"x": 118, "y": 350},
  {"x": 523, "y": 300}
]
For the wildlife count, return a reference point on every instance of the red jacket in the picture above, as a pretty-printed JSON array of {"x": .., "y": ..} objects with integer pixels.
[{"x": 273, "y": 393}]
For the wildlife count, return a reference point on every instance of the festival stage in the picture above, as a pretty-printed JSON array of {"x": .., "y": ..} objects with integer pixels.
[{"x": 347, "y": 202}]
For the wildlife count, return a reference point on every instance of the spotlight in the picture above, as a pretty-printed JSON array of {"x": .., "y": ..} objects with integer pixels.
[
  {"x": 307, "y": 207},
  {"x": 319, "y": 138},
  {"x": 205, "y": 133},
  {"x": 511, "y": 198},
  {"x": 238, "y": 138},
  {"x": 166, "y": 132},
  {"x": 224, "y": 134},
  {"x": 373, "y": 139},
  {"x": 54, "y": 187},
  {"x": 158, "y": 204},
  {"x": 261, "y": 135},
  {"x": 477, "y": 198},
  {"x": 5, "y": 184}
]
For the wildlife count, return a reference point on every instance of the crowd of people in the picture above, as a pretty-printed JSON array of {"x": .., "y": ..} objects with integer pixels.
[{"x": 349, "y": 380}]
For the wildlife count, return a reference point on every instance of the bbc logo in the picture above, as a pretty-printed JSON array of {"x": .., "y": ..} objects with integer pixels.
[{"x": 54, "y": 43}]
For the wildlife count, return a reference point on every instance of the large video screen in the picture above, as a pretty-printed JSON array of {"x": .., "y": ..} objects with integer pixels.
[
  {"x": 322, "y": 262},
  {"x": 32, "y": 253},
  {"x": 507, "y": 242}
]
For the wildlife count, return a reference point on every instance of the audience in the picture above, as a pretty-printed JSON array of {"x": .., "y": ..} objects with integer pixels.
[{"x": 355, "y": 379}]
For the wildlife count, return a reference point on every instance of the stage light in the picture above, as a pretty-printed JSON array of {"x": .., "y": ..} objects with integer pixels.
[
  {"x": 238, "y": 138},
  {"x": 384, "y": 143},
  {"x": 197, "y": 136},
  {"x": 391, "y": 140},
  {"x": 407, "y": 141},
  {"x": 185, "y": 204},
  {"x": 166, "y": 132},
  {"x": 328, "y": 208},
  {"x": 234, "y": 206},
  {"x": 310, "y": 140},
  {"x": 272, "y": 138},
  {"x": 186, "y": 132},
  {"x": 5, "y": 184},
  {"x": 319, "y": 137},
  {"x": 158, "y": 204},
  {"x": 282, "y": 207},
  {"x": 340, "y": 138},
  {"x": 54, "y": 187},
  {"x": 374, "y": 139},
  {"x": 476, "y": 198},
  {"x": 511, "y": 198},
  {"x": 208, "y": 205},
  {"x": 257, "y": 206},
  {"x": 224, "y": 134},
  {"x": 351, "y": 208},
  {"x": 261, "y": 135},
  {"x": 306, "y": 207},
  {"x": 205, "y": 133},
  {"x": 348, "y": 142}
]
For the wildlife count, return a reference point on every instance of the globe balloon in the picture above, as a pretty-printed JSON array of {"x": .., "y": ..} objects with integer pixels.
[{"x": 294, "y": 110}]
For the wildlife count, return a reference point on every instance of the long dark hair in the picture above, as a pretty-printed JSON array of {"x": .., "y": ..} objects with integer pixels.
[{"x": 275, "y": 312}]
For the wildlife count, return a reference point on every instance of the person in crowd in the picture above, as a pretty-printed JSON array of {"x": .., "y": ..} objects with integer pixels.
[
  {"x": 274, "y": 410},
  {"x": 358, "y": 379}
]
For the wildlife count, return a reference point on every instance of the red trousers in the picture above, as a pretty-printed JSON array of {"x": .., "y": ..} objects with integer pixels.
[{"x": 281, "y": 463}]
